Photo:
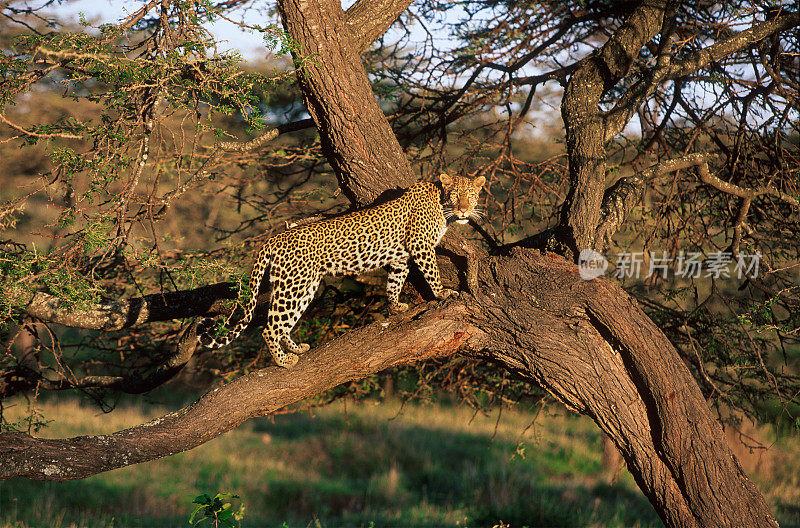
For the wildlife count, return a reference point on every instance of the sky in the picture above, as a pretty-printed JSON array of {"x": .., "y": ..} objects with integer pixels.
[{"x": 231, "y": 37}]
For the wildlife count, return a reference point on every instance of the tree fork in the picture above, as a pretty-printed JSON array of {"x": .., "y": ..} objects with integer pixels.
[
  {"x": 584, "y": 122},
  {"x": 592, "y": 347}
]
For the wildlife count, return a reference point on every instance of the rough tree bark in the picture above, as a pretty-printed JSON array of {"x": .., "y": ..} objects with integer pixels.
[
  {"x": 586, "y": 342},
  {"x": 356, "y": 137},
  {"x": 585, "y": 124}
]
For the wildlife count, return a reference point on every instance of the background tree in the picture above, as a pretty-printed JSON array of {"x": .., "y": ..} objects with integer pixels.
[{"x": 710, "y": 169}]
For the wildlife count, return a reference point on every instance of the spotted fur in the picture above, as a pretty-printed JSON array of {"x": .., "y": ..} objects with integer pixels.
[{"x": 387, "y": 235}]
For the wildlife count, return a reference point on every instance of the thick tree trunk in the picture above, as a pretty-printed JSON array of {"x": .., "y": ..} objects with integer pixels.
[
  {"x": 591, "y": 346},
  {"x": 585, "y": 124},
  {"x": 356, "y": 137}
]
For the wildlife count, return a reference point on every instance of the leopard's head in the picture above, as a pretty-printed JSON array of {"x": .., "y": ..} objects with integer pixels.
[{"x": 462, "y": 194}]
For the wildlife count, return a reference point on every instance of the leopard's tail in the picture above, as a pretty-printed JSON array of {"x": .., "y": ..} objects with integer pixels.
[{"x": 207, "y": 334}]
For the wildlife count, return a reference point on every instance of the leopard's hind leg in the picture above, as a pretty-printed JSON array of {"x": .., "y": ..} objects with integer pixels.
[
  {"x": 290, "y": 298},
  {"x": 398, "y": 271}
]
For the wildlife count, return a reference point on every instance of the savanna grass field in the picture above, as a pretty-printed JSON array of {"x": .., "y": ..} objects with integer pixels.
[{"x": 375, "y": 464}]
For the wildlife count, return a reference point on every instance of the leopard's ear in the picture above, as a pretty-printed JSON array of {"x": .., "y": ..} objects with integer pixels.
[
  {"x": 478, "y": 182},
  {"x": 446, "y": 180}
]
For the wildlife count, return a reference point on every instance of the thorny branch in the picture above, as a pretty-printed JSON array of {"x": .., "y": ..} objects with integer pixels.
[
  {"x": 33, "y": 134},
  {"x": 627, "y": 192}
]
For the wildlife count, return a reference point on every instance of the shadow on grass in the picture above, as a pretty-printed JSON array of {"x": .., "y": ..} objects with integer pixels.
[
  {"x": 788, "y": 514},
  {"x": 84, "y": 503},
  {"x": 396, "y": 474}
]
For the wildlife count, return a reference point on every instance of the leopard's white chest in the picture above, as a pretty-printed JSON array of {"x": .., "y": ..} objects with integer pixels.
[{"x": 442, "y": 229}]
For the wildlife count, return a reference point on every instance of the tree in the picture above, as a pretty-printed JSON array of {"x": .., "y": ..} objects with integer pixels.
[{"x": 680, "y": 69}]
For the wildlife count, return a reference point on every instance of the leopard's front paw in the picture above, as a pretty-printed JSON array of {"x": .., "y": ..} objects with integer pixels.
[
  {"x": 446, "y": 293},
  {"x": 399, "y": 307},
  {"x": 287, "y": 360}
]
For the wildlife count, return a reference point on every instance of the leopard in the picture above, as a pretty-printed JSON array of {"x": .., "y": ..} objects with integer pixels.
[{"x": 387, "y": 235}]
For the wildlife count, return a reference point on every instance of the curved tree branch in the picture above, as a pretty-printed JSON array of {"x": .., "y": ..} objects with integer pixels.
[
  {"x": 422, "y": 333},
  {"x": 617, "y": 118},
  {"x": 737, "y": 42},
  {"x": 118, "y": 315},
  {"x": 743, "y": 192},
  {"x": 626, "y": 193}
]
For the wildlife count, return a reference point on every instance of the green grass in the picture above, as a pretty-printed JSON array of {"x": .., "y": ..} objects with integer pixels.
[{"x": 363, "y": 465}]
